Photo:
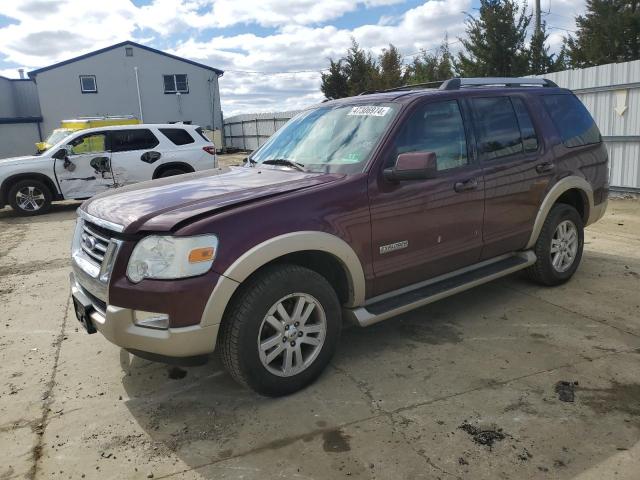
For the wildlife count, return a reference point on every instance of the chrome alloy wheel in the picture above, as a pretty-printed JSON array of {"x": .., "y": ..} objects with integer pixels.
[
  {"x": 291, "y": 334},
  {"x": 30, "y": 198},
  {"x": 564, "y": 246}
]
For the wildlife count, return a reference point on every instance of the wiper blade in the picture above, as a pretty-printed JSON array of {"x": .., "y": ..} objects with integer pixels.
[{"x": 286, "y": 162}]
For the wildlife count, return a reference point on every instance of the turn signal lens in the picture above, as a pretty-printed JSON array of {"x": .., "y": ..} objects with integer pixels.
[{"x": 204, "y": 254}]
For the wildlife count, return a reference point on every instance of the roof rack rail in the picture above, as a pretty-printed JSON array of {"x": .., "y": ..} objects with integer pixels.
[
  {"x": 457, "y": 83},
  {"x": 434, "y": 84}
]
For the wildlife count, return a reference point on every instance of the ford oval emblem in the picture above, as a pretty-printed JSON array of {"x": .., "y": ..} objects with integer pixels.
[{"x": 90, "y": 242}]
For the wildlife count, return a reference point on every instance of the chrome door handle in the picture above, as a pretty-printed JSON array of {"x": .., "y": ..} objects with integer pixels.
[
  {"x": 545, "y": 167},
  {"x": 466, "y": 185}
]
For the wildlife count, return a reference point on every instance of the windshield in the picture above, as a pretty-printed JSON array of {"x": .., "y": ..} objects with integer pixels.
[
  {"x": 56, "y": 136},
  {"x": 335, "y": 139}
]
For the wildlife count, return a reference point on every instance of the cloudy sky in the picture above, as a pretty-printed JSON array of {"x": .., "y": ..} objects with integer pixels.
[{"x": 271, "y": 50}]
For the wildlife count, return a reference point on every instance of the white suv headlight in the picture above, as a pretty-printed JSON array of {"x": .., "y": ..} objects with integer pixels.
[{"x": 167, "y": 257}]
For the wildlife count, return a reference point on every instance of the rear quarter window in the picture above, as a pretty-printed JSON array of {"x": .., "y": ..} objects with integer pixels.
[
  {"x": 572, "y": 120},
  {"x": 134, "y": 139},
  {"x": 178, "y": 136}
]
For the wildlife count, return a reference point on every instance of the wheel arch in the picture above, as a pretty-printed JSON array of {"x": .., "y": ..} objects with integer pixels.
[
  {"x": 324, "y": 253},
  {"x": 572, "y": 190},
  {"x": 8, "y": 182},
  {"x": 169, "y": 165}
]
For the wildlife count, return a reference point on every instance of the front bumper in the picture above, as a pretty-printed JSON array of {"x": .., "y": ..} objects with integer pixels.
[{"x": 117, "y": 325}]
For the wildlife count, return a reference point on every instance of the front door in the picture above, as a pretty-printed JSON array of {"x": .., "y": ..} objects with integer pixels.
[
  {"x": 424, "y": 228},
  {"x": 516, "y": 171},
  {"x": 86, "y": 170}
]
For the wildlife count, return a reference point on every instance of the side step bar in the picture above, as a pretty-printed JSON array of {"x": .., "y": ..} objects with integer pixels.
[{"x": 415, "y": 296}]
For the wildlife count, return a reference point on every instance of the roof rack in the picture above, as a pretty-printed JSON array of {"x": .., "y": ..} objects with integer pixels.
[
  {"x": 434, "y": 84},
  {"x": 458, "y": 83}
]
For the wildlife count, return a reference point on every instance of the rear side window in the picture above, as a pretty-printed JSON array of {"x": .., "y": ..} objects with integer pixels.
[
  {"x": 572, "y": 119},
  {"x": 127, "y": 140},
  {"x": 178, "y": 136},
  {"x": 497, "y": 127},
  {"x": 529, "y": 137},
  {"x": 436, "y": 127},
  {"x": 201, "y": 133}
]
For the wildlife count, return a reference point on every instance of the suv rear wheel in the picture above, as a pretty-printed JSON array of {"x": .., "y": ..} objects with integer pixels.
[
  {"x": 559, "y": 246},
  {"x": 30, "y": 197},
  {"x": 281, "y": 330}
]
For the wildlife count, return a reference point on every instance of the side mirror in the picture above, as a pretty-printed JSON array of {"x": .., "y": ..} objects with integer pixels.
[
  {"x": 61, "y": 154},
  {"x": 412, "y": 166}
]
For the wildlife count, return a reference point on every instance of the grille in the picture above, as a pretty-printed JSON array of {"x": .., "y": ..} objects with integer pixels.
[{"x": 93, "y": 243}]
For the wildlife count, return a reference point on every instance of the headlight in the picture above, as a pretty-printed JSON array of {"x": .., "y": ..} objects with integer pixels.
[{"x": 167, "y": 257}]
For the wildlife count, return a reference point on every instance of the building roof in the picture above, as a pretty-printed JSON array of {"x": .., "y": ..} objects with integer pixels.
[{"x": 33, "y": 73}]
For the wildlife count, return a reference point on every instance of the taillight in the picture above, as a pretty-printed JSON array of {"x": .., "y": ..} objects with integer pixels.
[{"x": 210, "y": 150}]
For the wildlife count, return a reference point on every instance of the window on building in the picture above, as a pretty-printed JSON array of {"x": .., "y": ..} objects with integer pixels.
[
  {"x": 134, "y": 139},
  {"x": 529, "y": 137},
  {"x": 178, "y": 136},
  {"x": 572, "y": 119},
  {"x": 497, "y": 127},
  {"x": 436, "y": 127},
  {"x": 128, "y": 51},
  {"x": 176, "y": 83},
  {"x": 88, "y": 84}
]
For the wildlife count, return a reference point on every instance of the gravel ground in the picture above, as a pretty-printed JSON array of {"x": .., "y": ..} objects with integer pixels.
[{"x": 508, "y": 381}]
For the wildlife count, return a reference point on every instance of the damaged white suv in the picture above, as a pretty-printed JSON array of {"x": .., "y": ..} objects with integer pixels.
[{"x": 91, "y": 161}]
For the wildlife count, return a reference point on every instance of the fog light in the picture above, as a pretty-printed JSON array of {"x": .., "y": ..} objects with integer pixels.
[{"x": 159, "y": 321}]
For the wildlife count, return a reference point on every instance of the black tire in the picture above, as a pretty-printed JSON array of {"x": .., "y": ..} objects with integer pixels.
[
  {"x": 241, "y": 328},
  {"x": 42, "y": 197},
  {"x": 543, "y": 271},
  {"x": 171, "y": 172}
]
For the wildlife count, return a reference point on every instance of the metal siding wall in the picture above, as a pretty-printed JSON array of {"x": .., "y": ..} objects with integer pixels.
[
  {"x": 18, "y": 139},
  {"x": 250, "y": 131},
  {"x": 624, "y": 153},
  {"x": 25, "y": 95}
]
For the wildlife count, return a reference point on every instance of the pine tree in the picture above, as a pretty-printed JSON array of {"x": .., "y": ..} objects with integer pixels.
[
  {"x": 495, "y": 43},
  {"x": 540, "y": 60},
  {"x": 430, "y": 67},
  {"x": 609, "y": 32},
  {"x": 361, "y": 70},
  {"x": 335, "y": 82},
  {"x": 390, "y": 62}
]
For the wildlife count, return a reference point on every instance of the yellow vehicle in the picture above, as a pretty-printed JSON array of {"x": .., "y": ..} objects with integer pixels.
[{"x": 69, "y": 126}]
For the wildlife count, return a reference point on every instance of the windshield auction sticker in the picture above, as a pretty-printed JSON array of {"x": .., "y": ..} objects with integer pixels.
[{"x": 369, "y": 111}]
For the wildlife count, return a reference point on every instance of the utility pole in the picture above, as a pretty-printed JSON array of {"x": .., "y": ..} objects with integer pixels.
[{"x": 538, "y": 21}]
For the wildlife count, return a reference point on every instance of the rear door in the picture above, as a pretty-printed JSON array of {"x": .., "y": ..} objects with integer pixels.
[
  {"x": 135, "y": 154},
  {"x": 87, "y": 169},
  {"x": 516, "y": 170},
  {"x": 423, "y": 228}
]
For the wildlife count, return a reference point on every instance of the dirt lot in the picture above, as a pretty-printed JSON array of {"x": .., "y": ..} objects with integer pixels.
[{"x": 465, "y": 388}]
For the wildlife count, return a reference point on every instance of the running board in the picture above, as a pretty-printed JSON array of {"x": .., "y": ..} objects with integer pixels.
[{"x": 400, "y": 301}]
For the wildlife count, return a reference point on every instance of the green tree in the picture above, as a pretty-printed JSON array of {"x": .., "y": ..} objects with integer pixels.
[
  {"x": 540, "y": 60},
  {"x": 609, "y": 32},
  {"x": 430, "y": 67},
  {"x": 361, "y": 70},
  {"x": 495, "y": 43},
  {"x": 390, "y": 61},
  {"x": 335, "y": 82}
]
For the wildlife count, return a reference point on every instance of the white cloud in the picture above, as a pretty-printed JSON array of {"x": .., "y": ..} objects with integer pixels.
[{"x": 47, "y": 31}]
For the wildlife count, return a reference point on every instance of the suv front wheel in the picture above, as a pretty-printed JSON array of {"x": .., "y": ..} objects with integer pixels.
[
  {"x": 559, "y": 246},
  {"x": 281, "y": 330},
  {"x": 30, "y": 197}
]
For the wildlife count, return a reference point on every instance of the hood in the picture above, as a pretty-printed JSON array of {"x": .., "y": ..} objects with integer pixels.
[{"x": 159, "y": 205}]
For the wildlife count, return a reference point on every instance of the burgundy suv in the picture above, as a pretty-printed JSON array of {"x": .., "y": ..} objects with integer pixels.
[{"x": 356, "y": 210}]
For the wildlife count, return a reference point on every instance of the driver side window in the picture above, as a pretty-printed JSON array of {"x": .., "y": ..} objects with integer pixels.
[
  {"x": 91, "y": 143},
  {"x": 435, "y": 127}
]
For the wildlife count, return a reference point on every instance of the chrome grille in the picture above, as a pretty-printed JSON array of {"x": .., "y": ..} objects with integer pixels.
[{"x": 93, "y": 244}]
